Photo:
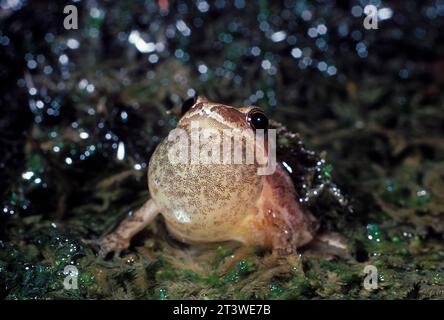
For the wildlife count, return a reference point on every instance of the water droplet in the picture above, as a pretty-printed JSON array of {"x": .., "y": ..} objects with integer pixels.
[{"x": 121, "y": 151}]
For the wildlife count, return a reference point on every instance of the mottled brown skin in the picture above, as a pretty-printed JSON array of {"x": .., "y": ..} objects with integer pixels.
[{"x": 218, "y": 202}]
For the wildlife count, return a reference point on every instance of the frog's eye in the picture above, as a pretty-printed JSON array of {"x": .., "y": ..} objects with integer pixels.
[
  {"x": 187, "y": 105},
  {"x": 257, "y": 119}
]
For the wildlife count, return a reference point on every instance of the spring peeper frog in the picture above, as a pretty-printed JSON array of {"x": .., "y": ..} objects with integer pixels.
[{"x": 211, "y": 202}]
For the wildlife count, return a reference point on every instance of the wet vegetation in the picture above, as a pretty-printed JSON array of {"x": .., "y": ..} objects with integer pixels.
[{"x": 82, "y": 110}]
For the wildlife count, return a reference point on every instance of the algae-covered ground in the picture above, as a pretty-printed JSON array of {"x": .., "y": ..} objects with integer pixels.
[{"x": 82, "y": 111}]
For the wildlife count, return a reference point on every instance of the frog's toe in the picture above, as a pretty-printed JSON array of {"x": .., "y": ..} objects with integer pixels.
[
  {"x": 104, "y": 251},
  {"x": 109, "y": 244},
  {"x": 328, "y": 246}
]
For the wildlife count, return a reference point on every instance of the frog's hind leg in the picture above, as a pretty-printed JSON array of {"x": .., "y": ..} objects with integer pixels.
[
  {"x": 328, "y": 246},
  {"x": 119, "y": 240},
  {"x": 288, "y": 225}
]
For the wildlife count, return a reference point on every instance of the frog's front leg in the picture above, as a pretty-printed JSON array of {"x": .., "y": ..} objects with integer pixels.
[{"x": 119, "y": 240}]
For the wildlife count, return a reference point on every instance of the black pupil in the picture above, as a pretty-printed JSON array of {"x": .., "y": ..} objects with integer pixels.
[
  {"x": 187, "y": 105},
  {"x": 258, "y": 120}
]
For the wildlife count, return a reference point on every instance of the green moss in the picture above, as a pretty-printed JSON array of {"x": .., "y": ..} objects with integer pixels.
[{"x": 221, "y": 254}]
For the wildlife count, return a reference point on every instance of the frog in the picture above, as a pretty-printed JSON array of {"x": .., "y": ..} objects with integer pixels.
[{"x": 217, "y": 202}]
